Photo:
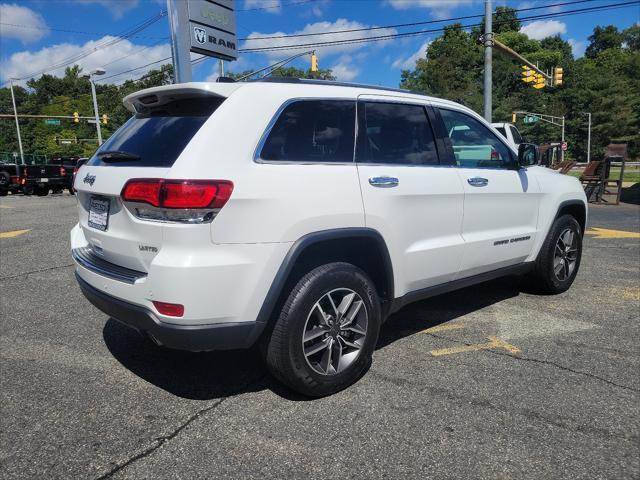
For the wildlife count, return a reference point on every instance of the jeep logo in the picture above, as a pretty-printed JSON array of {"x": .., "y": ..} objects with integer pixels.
[{"x": 89, "y": 179}]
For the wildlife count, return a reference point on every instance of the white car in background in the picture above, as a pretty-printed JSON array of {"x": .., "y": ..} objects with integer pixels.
[
  {"x": 300, "y": 214},
  {"x": 510, "y": 132}
]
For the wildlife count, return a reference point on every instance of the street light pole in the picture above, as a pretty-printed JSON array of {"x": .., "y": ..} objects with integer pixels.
[
  {"x": 97, "y": 71},
  {"x": 562, "y": 149},
  {"x": 15, "y": 114},
  {"x": 488, "y": 59},
  {"x": 95, "y": 109}
]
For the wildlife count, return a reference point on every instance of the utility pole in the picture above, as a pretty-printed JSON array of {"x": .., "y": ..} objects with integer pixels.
[
  {"x": 488, "y": 60},
  {"x": 180, "y": 46},
  {"x": 562, "y": 149},
  {"x": 15, "y": 114},
  {"x": 589, "y": 138},
  {"x": 221, "y": 67}
]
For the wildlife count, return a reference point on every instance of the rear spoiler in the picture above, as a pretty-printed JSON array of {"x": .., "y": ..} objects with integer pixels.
[{"x": 157, "y": 96}]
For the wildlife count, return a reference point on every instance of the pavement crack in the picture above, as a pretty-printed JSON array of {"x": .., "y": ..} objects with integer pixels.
[
  {"x": 544, "y": 362},
  {"x": 24, "y": 274},
  {"x": 160, "y": 441}
]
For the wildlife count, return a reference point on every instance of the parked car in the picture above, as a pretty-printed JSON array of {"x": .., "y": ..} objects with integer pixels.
[
  {"x": 224, "y": 215},
  {"x": 510, "y": 132},
  {"x": 9, "y": 178},
  {"x": 70, "y": 166},
  {"x": 40, "y": 179}
]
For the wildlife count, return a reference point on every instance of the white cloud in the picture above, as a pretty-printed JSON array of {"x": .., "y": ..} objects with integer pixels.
[
  {"x": 543, "y": 28},
  {"x": 268, "y": 6},
  {"x": 344, "y": 70},
  {"x": 24, "y": 63},
  {"x": 410, "y": 62},
  {"x": 439, "y": 8},
  {"x": 313, "y": 29},
  {"x": 24, "y": 24},
  {"x": 577, "y": 47},
  {"x": 117, "y": 7}
]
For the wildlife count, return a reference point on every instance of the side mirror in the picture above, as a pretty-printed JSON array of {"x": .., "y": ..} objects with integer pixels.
[{"x": 527, "y": 154}]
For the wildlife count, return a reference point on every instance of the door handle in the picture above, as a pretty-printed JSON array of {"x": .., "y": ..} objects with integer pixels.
[
  {"x": 384, "y": 182},
  {"x": 478, "y": 182}
]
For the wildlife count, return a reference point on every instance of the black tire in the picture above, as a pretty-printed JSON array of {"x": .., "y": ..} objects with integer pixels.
[
  {"x": 71, "y": 191},
  {"x": 285, "y": 355},
  {"x": 28, "y": 190},
  {"x": 5, "y": 180},
  {"x": 42, "y": 191},
  {"x": 56, "y": 191},
  {"x": 544, "y": 278},
  {"x": 3, "y": 192}
]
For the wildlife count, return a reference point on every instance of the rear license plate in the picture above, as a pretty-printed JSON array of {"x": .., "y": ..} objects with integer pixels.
[
  {"x": 43, "y": 180},
  {"x": 99, "y": 213}
]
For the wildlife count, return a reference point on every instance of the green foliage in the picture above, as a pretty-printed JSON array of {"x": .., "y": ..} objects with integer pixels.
[
  {"x": 289, "y": 72},
  {"x": 604, "y": 83}
]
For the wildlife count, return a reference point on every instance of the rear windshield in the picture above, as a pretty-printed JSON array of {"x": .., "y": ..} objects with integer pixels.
[{"x": 159, "y": 135}]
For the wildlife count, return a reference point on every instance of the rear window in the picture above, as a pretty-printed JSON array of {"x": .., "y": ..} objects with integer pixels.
[
  {"x": 502, "y": 131},
  {"x": 313, "y": 131},
  {"x": 159, "y": 135}
]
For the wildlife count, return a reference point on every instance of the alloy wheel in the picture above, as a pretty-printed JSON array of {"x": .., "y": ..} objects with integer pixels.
[
  {"x": 565, "y": 255},
  {"x": 335, "y": 331}
]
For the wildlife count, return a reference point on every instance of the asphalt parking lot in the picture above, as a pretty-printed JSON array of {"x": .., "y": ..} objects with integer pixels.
[{"x": 488, "y": 382}]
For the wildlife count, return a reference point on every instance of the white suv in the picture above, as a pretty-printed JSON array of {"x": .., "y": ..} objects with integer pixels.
[{"x": 298, "y": 215}]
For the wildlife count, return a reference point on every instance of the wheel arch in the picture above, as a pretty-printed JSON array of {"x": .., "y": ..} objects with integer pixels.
[
  {"x": 575, "y": 208},
  {"x": 352, "y": 245}
]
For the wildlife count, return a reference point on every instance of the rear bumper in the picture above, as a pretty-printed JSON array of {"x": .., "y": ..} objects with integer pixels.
[
  {"x": 195, "y": 338},
  {"x": 51, "y": 181}
]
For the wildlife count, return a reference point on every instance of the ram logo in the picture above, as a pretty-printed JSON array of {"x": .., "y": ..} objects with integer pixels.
[{"x": 200, "y": 34}]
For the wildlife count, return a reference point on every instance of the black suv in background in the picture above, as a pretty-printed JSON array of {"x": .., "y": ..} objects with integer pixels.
[
  {"x": 9, "y": 178},
  {"x": 70, "y": 165}
]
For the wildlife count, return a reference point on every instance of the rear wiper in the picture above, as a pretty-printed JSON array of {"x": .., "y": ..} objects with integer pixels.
[{"x": 115, "y": 155}]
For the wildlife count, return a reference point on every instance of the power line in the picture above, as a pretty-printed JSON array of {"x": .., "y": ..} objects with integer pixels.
[
  {"x": 412, "y": 24},
  {"x": 78, "y": 32},
  {"x": 147, "y": 23},
  {"x": 422, "y": 32}
]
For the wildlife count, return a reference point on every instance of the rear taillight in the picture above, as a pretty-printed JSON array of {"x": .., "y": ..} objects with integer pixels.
[
  {"x": 184, "y": 201},
  {"x": 62, "y": 172},
  {"x": 169, "y": 309}
]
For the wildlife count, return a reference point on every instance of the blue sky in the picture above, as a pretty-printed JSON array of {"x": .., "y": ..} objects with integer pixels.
[{"x": 36, "y": 34}]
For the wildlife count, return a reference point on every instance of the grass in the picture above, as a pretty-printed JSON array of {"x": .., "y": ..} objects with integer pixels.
[{"x": 631, "y": 174}]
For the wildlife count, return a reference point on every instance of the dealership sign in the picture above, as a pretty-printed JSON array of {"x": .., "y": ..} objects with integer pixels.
[{"x": 212, "y": 28}]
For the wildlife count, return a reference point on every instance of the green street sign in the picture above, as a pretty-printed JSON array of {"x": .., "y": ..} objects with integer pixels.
[
  {"x": 531, "y": 119},
  {"x": 52, "y": 121}
]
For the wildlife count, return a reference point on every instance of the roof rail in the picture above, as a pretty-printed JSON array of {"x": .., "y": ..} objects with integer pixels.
[{"x": 312, "y": 81}]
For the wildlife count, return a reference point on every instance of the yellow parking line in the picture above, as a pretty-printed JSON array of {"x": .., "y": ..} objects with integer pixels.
[
  {"x": 605, "y": 233},
  {"x": 4, "y": 206},
  {"x": 494, "y": 342},
  {"x": 443, "y": 328},
  {"x": 14, "y": 233}
]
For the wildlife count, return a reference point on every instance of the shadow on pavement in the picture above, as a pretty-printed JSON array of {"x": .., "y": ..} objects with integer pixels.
[
  {"x": 209, "y": 375},
  {"x": 631, "y": 194}
]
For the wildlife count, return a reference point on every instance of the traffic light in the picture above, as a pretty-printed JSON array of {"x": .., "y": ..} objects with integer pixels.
[
  {"x": 76, "y": 117},
  {"x": 557, "y": 76},
  {"x": 105, "y": 119},
  {"x": 513, "y": 118},
  {"x": 539, "y": 81},
  {"x": 314, "y": 62},
  {"x": 528, "y": 75}
]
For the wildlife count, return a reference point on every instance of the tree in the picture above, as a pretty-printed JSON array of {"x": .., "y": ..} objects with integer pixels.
[
  {"x": 631, "y": 37},
  {"x": 603, "y": 38},
  {"x": 289, "y": 72},
  {"x": 505, "y": 19}
]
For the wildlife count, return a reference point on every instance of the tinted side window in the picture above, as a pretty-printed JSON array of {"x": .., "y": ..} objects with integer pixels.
[
  {"x": 474, "y": 145},
  {"x": 502, "y": 131},
  {"x": 313, "y": 131},
  {"x": 396, "y": 133},
  {"x": 517, "y": 139}
]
